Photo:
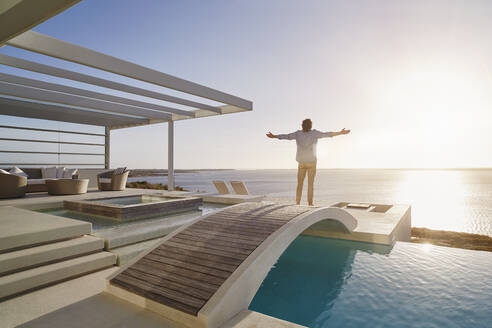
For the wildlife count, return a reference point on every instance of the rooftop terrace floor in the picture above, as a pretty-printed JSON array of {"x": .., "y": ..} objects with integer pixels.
[{"x": 374, "y": 225}]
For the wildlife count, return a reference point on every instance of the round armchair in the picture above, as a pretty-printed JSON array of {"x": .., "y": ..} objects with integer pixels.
[{"x": 12, "y": 185}]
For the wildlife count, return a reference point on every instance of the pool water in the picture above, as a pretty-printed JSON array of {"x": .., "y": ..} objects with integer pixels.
[
  {"x": 320, "y": 282},
  {"x": 134, "y": 200},
  {"x": 101, "y": 222}
]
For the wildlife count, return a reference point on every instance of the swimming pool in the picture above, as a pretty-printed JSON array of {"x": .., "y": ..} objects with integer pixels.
[{"x": 320, "y": 282}]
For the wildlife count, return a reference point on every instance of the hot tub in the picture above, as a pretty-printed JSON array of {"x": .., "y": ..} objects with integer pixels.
[{"x": 134, "y": 207}]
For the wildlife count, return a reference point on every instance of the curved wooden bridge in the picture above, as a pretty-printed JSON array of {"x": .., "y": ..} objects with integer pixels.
[{"x": 208, "y": 271}]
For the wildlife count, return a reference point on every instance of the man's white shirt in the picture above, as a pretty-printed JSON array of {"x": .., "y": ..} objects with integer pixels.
[{"x": 306, "y": 143}]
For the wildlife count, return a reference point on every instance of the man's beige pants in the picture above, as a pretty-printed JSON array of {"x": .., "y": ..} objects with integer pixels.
[{"x": 310, "y": 168}]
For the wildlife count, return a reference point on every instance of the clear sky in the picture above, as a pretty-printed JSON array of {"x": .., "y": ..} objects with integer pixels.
[{"x": 411, "y": 79}]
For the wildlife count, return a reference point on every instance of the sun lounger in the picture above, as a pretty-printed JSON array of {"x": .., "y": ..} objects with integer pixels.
[
  {"x": 239, "y": 187},
  {"x": 221, "y": 187}
]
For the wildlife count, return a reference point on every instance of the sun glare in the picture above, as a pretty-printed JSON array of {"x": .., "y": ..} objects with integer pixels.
[
  {"x": 440, "y": 99},
  {"x": 426, "y": 247},
  {"x": 430, "y": 192},
  {"x": 428, "y": 114}
]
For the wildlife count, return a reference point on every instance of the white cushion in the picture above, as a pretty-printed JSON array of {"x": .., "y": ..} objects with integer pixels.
[
  {"x": 105, "y": 180},
  {"x": 16, "y": 171},
  {"x": 60, "y": 170},
  {"x": 68, "y": 173},
  {"x": 36, "y": 181},
  {"x": 4, "y": 172},
  {"x": 48, "y": 172}
]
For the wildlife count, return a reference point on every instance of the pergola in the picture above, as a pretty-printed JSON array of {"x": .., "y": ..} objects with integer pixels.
[{"x": 26, "y": 97}]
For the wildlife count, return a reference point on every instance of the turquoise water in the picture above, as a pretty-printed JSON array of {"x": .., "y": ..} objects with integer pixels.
[{"x": 320, "y": 282}]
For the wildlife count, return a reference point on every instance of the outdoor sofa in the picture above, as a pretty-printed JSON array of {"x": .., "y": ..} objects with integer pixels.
[{"x": 36, "y": 177}]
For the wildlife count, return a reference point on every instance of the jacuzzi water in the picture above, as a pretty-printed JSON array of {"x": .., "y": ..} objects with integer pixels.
[
  {"x": 320, "y": 282},
  {"x": 133, "y": 200}
]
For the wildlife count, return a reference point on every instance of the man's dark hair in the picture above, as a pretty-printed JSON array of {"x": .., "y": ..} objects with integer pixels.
[{"x": 307, "y": 125}]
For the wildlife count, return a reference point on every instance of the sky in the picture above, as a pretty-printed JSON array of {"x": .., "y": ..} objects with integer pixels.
[{"x": 411, "y": 79}]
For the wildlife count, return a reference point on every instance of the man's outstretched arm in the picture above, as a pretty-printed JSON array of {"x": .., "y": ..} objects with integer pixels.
[
  {"x": 289, "y": 136},
  {"x": 339, "y": 133},
  {"x": 320, "y": 134}
]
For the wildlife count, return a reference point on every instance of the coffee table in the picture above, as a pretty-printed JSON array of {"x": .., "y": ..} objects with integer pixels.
[{"x": 67, "y": 186}]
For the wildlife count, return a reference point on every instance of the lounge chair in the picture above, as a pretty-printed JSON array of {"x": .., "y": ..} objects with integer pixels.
[
  {"x": 239, "y": 187},
  {"x": 113, "y": 180},
  {"x": 221, "y": 187},
  {"x": 11, "y": 185}
]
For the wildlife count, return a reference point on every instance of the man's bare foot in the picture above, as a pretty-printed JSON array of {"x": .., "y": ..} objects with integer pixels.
[{"x": 311, "y": 204}]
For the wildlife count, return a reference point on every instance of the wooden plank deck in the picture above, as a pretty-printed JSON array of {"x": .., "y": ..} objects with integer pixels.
[{"x": 186, "y": 270}]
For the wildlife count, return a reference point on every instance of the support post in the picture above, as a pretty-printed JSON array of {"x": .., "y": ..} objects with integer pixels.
[
  {"x": 170, "y": 156},
  {"x": 107, "y": 132}
]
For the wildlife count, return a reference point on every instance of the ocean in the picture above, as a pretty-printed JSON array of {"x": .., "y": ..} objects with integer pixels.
[{"x": 455, "y": 200}]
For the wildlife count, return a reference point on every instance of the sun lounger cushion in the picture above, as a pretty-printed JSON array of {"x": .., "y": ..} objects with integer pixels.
[
  {"x": 221, "y": 187},
  {"x": 4, "y": 172},
  {"x": 239, "y": 187}
]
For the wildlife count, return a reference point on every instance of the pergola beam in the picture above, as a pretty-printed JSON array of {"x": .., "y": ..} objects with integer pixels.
[
  {"x": 16, "y": 90},
  {"x": 80, "y": 77},
  {"x": 19, "y": 16},
  {"x": 46, "y": 45},
  {"x": 89, "y": 94},
  {"x": 22, "y": 108}
]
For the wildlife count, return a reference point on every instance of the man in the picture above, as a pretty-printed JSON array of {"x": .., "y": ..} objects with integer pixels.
[{"x": 306, "y": 140}]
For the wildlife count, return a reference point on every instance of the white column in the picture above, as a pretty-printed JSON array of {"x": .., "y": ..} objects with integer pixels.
[
  {"x": 170, "y": 155},
  {"x": 107, "y": 133}
]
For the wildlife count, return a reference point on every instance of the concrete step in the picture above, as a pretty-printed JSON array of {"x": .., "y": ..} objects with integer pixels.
[
  {"x": 23, "y": 228},
  {"x": 16, "y": 311},
  {"x": 132, "y": 233},
  {"x": 49, "y": 253},
  {"x": 23, "y": 281},
  {"x": 126, "y": 253}
]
